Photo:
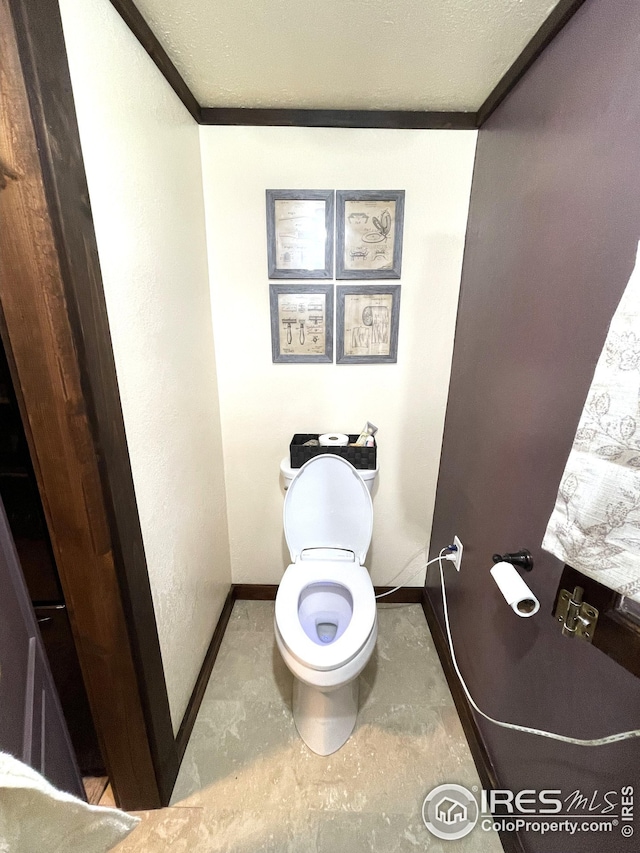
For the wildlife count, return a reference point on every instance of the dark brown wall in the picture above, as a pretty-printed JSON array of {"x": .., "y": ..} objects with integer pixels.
[{"x": 554, "y": 224}]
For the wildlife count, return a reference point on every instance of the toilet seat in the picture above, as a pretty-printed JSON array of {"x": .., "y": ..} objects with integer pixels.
[
  {"x": 353, "y": 577},
  {"x": 328, "y": 505}
]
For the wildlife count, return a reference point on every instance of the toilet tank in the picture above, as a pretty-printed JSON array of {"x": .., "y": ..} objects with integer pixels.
[{"x": 288, "y": 473}]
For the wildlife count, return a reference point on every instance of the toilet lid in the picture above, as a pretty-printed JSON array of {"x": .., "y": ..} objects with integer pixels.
[{"x": 328, "y": 505}]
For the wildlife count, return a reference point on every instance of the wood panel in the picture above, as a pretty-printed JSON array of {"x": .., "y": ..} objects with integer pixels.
[
  {"x": 56, "y": 335},
  {"x": 94, "y": 788}
]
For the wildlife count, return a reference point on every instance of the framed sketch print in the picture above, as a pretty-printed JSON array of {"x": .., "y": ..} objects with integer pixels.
[
  {"x": 301, "y": 323},
  {"x": 300, "y": 233},
  {"x": 367, "y": 323},
  {"x": 369, "y": 227}
]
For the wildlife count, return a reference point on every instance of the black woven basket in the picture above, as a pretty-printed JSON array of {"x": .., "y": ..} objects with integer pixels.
[{"x": 363, "y": 458}]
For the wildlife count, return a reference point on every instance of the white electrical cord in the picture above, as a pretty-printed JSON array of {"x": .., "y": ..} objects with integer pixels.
[
  {"x": 411, "y": 577},
  {"x": 595, "y": 742}
]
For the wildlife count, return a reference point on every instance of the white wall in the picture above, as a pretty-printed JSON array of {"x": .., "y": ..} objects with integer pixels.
[
  {"x": 263, "y": 404},
  {"x": 142, "y": 157}
]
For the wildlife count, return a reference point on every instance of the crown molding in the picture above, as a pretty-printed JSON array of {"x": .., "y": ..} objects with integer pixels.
[
  {"x": 129, "y": 13},
  {"x": 373, "y": 119},
  {"x": 549, "y": 29},
  {"x": 390, "y": 119}
]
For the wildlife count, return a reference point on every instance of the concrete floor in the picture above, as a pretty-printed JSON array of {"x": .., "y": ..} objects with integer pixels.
[{"x": 248, "y": 783}]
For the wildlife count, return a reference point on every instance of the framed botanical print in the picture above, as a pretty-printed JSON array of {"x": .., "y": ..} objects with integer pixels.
[
  {"x": 369, "y": 234},
  {"x": 300, "y": 233},
  {"x": 367, "y": 317},
  {"x": 301, "y": 323}
]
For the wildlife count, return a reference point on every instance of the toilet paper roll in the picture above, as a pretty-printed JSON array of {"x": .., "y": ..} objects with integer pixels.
[
  {"x": 515, "y": 591},
  {"x": 333, "y": 439}
]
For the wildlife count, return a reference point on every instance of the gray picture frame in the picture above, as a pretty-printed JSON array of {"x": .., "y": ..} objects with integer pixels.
[
  {"x": 278, "y": 324},
  {"x": 375, "y": 236},
  {"x": 276, "y": 268},
  {"x": 345, "y": 332}
]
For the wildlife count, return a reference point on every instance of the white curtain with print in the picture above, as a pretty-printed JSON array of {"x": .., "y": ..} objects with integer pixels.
[{"x": 595, "y": 525}]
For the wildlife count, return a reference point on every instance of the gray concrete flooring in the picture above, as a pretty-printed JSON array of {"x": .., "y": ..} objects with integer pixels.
[{"x": 248, "y": 783}]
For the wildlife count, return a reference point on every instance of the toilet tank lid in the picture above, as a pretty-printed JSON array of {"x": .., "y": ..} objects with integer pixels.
[{"x": 328, "y": 505}]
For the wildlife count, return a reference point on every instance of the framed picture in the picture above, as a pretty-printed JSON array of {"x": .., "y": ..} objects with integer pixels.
[
  {"x": 367, "y": 323},
  {"x": 301, "y": 323},
  {"x": 300, "y": 233},
  {"x": 369, "y": 243}
]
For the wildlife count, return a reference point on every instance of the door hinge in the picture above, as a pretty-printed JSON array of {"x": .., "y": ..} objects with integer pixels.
[{"x": 578, "y": 618}]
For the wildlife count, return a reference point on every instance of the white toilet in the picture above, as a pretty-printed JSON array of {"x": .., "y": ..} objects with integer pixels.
[{"x": 325, "y": 617}]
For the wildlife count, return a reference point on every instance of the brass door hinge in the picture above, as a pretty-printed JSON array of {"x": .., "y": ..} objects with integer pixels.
[{"x": 578, "y": 618}]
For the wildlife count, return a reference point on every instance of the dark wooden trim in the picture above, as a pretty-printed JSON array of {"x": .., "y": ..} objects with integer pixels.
[
  {"x": 186, "y": 727},
  {"x": 267, "y": 592},
  {"x": 472, "y": 732},
  {"x": 384, "y": 119},
  {"x": 549, "y": 29},
  {"x": 145, "y": 35},
  {"x": 510, "y": 841},
  {"x": 389, "y": 119},
  {"x": 375, "y": 119},
  {"x": 255, "y": 591},
  {"x": 56, "y": 334},
  {"x": 405, "y": 595},
  {"x": 615, "y": 634}
]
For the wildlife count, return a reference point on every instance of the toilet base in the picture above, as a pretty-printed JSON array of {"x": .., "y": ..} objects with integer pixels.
[{"x": 325, "y": 720}]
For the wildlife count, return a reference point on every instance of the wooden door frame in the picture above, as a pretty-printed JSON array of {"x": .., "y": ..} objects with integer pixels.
[{"x": 55, "y": 329}]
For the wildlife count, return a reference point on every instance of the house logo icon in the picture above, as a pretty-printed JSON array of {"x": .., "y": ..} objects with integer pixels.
[{"x": 450, "y": 812}]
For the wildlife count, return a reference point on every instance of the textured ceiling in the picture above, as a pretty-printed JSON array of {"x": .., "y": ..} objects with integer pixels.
[{"x": 344, "y": 54}]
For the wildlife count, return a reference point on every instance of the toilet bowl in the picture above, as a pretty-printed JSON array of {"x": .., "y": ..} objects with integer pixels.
[{"x": 325, "y": 613}]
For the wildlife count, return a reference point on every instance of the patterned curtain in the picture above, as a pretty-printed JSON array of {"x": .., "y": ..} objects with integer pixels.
[{"x": 595, "y": 525}]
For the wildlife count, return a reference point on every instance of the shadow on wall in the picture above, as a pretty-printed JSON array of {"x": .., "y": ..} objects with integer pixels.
[{"x": 418, "y": 460}]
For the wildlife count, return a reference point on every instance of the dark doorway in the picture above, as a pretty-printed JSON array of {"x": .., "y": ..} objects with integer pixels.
[
  {"x": 33, "y": 727},
  {"x": 23, "y": 506}
]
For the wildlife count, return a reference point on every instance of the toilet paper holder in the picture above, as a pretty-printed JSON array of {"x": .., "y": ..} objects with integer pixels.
[{"x": 521, "y": 559}]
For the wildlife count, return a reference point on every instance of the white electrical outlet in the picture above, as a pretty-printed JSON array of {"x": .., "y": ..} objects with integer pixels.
[{"x": 457, "y": 555}]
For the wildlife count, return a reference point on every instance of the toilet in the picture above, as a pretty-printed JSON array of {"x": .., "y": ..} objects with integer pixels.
[{"x": 325, "y": 615}]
